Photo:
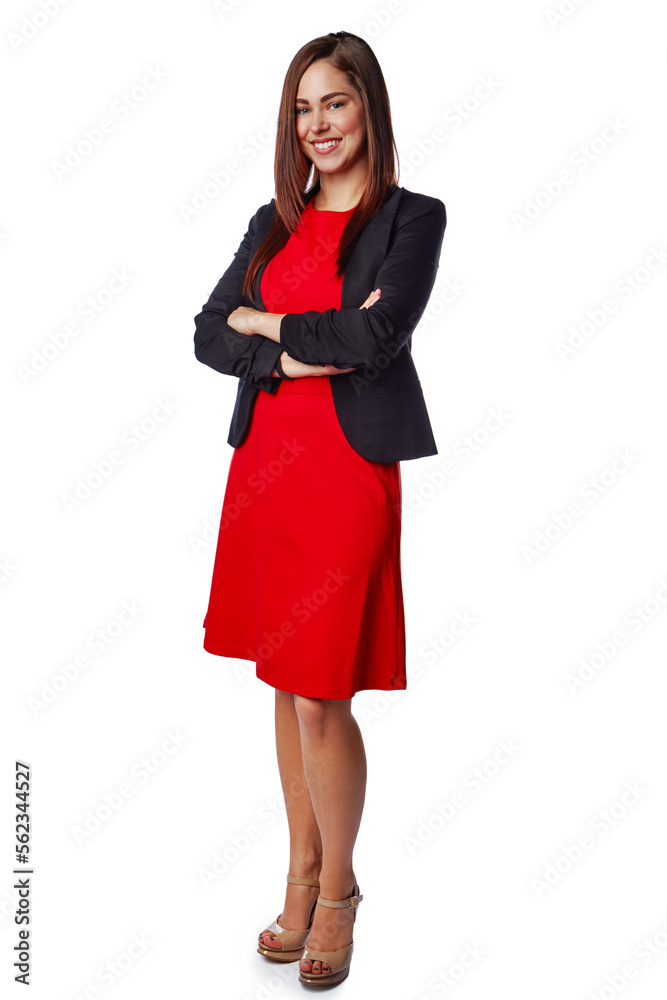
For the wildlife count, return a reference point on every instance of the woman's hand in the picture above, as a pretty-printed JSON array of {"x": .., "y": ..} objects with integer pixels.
[
  {"x": 242, "y": 320},
  {"x": 299, "y": 369},
  {"x": 373, "y": 297}
]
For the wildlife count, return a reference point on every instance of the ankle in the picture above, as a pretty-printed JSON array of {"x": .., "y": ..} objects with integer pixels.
[
  {"x": 336, "y": 884},
  {"x": 308, "y": 866}
]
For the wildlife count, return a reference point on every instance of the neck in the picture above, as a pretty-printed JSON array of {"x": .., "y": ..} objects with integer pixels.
[{"x": 340, "y": 192}]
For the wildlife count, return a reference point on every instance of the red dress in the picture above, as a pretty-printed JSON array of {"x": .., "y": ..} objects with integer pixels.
[{"x": 307, "y": 574}]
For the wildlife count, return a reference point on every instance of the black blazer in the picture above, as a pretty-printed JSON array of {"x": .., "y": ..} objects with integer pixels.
[{"x": 380, "y": 405}]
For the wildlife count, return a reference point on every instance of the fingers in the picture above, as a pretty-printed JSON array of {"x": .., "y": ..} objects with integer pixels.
[{"x": 373, "y": 297}]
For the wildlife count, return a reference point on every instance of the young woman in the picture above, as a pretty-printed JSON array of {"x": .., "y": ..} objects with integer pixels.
[{"x": 314, "y": 316}]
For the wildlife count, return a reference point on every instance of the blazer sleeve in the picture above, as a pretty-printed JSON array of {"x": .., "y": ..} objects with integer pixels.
[
  {"x": 252, "y": 358},
  {"x": 356, "y": 337}
]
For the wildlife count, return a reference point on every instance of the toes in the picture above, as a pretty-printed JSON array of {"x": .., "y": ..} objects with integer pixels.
[
  {"x": 316, "y": 967},
  {"x": 269, "y": 941}
]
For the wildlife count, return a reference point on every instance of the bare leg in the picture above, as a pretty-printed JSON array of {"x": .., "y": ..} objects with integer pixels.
[
  {"x": 305, "y": 842},
  {"x": 335, "y": 768}
]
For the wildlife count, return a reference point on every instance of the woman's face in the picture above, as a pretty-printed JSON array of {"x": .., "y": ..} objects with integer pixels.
[{"x": 328, "y": 108}]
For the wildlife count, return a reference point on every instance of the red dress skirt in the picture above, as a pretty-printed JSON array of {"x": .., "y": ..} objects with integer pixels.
[{"x": 307, "y": 573}]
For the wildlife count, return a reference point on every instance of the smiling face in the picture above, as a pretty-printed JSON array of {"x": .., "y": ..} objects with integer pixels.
[{"x": 330, "y": 122}]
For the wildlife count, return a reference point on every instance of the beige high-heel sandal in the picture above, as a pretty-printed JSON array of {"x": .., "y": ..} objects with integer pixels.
[
  {"x": 338, "y": 961},
  {"x": 292, "y": 942}
]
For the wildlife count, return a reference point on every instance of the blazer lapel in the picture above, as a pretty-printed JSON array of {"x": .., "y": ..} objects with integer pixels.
[
  {"x": 369, "y": 254},
  {"x": 366, "y": 259}
]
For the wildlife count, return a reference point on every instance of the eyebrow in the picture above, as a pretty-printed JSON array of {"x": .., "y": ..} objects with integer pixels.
[{"x": 327, "y": 97}]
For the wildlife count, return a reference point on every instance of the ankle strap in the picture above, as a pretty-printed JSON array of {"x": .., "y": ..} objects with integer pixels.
[
  {"x": 339, "y": 903},
  {"x": 299, "y": 880}
]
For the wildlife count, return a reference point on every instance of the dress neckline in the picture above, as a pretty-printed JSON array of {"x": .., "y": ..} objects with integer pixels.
[{"x": 329, "y": 211}]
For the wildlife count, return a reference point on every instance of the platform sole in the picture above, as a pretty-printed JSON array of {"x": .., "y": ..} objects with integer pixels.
[
  {"x": 277, "y": 955},
  {"x": 328, "y": 979}
]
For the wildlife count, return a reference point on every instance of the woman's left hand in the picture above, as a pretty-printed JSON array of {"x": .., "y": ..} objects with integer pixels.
[{"x": 241, "y": 319}]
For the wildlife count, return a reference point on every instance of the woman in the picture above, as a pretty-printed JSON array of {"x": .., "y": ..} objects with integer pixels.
[{"x": 315, "y": 316}]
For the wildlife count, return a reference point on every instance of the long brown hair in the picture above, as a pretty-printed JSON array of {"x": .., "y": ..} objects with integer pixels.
[{"x": 353, "y": 56}]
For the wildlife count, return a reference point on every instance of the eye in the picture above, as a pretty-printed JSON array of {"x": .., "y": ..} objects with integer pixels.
[{"x": 339, "y": 104}]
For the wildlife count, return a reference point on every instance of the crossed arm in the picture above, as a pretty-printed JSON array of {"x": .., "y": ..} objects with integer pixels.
[
  {"x": 335, "y": 340},
  {"x": 252, "y": 322}
]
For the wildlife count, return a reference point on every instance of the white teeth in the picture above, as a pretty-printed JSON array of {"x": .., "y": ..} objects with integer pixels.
[{"x": 325, "y": 145}]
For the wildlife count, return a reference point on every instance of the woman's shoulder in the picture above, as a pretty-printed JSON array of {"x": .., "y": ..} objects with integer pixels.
[
  {"x": 264, "y": 210},
  {"x": 416, "y": 203}
]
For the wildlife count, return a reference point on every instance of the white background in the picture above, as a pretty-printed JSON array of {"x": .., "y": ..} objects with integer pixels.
[{"x": 494, "y": 877}]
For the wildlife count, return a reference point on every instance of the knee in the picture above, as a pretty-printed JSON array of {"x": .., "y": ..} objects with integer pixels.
[
  {"x": 315, "y": 713},
  {"x": 311, "y": 712}
]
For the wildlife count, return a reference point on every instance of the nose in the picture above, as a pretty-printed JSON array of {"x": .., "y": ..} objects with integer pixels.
[{"x": 318, "y": 122}]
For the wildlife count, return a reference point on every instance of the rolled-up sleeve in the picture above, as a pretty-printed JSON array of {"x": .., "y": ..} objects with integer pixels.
[{"x": 355, "y": 337}]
